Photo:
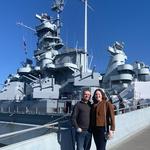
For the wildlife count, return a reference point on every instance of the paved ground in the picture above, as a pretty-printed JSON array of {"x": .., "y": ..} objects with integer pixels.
[{"x": 140, "y": 141}]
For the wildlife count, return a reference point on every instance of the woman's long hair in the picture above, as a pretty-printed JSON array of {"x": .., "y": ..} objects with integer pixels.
[{"x": 104, "y": 97}]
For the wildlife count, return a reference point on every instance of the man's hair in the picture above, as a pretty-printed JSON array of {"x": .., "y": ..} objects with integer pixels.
[
  {"x": 84, "y": 90},
  {"x": 87, "y": 89}
]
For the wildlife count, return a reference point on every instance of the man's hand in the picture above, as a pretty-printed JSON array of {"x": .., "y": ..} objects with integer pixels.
[{"x": 79, "y": 130}]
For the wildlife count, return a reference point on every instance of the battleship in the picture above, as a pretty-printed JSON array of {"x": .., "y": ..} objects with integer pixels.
[
  {"x": 47, "y": 91},
  {"x": 55, "y": 83}
]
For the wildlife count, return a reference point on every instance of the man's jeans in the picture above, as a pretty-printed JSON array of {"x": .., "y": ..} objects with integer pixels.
[{"x": 83, "y": 140}]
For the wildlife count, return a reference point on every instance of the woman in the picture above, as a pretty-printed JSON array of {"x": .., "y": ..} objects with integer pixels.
[{"x": 102, "y": 119}]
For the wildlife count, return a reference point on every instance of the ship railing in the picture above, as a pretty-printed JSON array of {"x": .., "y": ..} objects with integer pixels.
[
  {"x": 131, "y": 108},
  {"x": 116, "y": 110},
  {"x": 51, "y": 127},
  {"x": 63, "y": 107}
]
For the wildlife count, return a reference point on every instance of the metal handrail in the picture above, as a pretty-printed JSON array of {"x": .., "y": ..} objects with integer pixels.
[
  {"x": 131, "y": 108},
  {"x": 36, "y": 111},
  {"x": 52, "y": 123},
  {"x": 26, "y": 130}
]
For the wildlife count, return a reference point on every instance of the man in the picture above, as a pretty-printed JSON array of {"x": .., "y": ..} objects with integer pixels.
[{"x": 81, "y": 121}]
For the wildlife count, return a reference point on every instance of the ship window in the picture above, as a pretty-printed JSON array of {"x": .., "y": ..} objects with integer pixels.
[
  {"x": 66, "y": 59},
  {"x": 114, "y": 62},
  {"x": 48, "y": 40},
  {"x": 125, "y": 71}
]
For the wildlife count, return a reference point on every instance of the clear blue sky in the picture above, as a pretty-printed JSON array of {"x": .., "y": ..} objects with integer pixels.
[{"x": 111, "y": 20}]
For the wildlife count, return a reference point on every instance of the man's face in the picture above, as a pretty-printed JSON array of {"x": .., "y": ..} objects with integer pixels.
[{"x": 86, "y": 95}]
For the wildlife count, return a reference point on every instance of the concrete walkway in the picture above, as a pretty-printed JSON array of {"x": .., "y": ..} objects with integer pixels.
[{"x": 140, "y": 141}]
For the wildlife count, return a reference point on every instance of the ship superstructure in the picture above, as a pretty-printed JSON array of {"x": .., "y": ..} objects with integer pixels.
[
  {"x": 128, "y": 82},
  {"x": 61, "y": 73}
]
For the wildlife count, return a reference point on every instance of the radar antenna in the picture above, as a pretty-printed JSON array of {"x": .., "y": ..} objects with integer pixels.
[{"x": 58, "y": 7}]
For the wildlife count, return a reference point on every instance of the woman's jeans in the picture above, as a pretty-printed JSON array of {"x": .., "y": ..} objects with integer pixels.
[
  {"x": 99, "y": 138},
  {"x": 83, "y": 140}
]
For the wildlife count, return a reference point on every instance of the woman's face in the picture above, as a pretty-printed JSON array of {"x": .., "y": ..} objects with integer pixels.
[{"x": 98, "y": 96}]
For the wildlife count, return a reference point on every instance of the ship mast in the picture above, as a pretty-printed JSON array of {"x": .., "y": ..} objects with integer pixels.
[
  {"x": 85, "y": 32},
  {"x": 58, "y": 6},
  {"x": 85, "y": 36}
]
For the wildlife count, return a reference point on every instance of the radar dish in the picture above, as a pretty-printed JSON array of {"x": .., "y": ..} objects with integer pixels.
[{"x": 58, "y": 5}]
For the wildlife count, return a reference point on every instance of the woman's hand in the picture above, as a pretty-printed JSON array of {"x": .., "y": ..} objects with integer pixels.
[{"x": 111, "y": 134}]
